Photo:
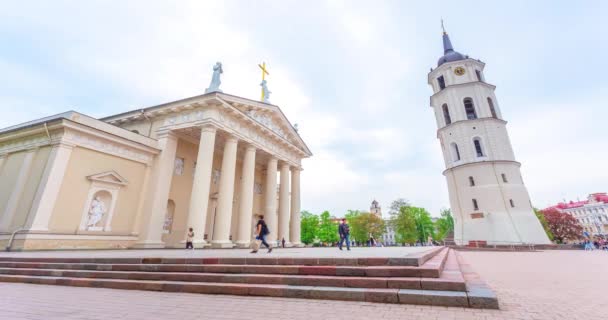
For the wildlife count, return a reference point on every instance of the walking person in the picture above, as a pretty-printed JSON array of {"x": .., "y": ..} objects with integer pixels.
[
  {"x": 344, "y": 231},
  {"x": 189, "y": 239},
  {"x": 261, "y": 231},
  {"x": 283, "y": 243}
]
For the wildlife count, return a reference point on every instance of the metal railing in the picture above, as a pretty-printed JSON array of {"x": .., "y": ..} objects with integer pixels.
[{"x": 12, "y": 238}]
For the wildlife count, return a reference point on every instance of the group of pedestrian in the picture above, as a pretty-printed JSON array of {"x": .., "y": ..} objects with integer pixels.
[
  {"x": 601, "y": 244},
  {"x": 261, "y": 231}
]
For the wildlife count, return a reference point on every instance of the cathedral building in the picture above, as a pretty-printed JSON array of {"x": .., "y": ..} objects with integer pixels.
[
  {"x": 487, "y": 193},
  {"x": 140, "y": 179}
]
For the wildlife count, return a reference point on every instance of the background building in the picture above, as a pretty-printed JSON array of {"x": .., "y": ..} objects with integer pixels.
[
  {"x": 591, "y": 214},
  {"x": 376, "y": 209}
]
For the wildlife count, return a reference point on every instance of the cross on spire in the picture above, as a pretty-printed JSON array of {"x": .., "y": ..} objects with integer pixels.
[
  {"x": 442, "y": 27},
  {"x": 264, "y": 71}
]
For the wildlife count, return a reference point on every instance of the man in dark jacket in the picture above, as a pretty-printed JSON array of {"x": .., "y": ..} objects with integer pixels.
[{"x": 344, "y": 231}]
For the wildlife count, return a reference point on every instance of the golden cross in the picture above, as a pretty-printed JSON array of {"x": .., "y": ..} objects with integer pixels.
[{"x": 264, "y": 71}]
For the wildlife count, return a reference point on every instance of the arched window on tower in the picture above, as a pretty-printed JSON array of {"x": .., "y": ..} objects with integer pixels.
[
  {"x": 455, "y": 152},
  {"x": 446, "y": 114},
  {"x": 471, "y": 181},
  {"x": 492, "y": 110},
  {"x": 441, "y": 83},
  {"x": 478, "y": 149},
  {"x": 469, "y": 109}
]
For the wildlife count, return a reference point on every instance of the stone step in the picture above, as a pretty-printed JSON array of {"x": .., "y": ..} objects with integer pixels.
[
  {"x": 374, "y": 271},
  {"x": 415, "y": 260},
  {"x": 432, "y": 268},
  {"x": 388, "y": 295},
  {"x": 447, "y": 283}
]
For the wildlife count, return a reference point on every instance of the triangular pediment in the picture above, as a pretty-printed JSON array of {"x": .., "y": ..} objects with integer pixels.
[
  {"x": 110, "y": 177},
  {"x": 271, "y": 117},
  {"x": 268, "y": 115}
]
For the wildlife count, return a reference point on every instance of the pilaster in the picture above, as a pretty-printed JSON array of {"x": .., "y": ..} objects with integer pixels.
[
  {"x": 13, "y": 200},
  {"x": 156, "y": 203},
  {"x": 48, "y": 189}
]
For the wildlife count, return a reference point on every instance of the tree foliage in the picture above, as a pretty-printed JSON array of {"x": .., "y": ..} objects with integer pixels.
[
  {"x": 562, "y": 225},
  {"x": 404, "y": 224},
  {"x": 444, "y": 225},
  {"x": 424, "y": 224},
  {"x": 309, "y": 225},
  {"x": 543, "y": 222},
  {"x": 356, "y": 233},
  {"x": 363, "y": 224},
  {"x": 396, "y": 206},
  {"x": 328, "y": 230}
]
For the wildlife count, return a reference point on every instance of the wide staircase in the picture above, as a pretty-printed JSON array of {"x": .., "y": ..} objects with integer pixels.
[{"x": 434, "y": 277}]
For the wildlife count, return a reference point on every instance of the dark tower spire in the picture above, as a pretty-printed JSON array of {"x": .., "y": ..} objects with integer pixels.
[{"x": 449, "y": 54}]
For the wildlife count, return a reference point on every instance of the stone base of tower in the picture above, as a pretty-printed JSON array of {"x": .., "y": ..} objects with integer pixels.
[
  {"x": 500, "y": 228},
  {"x": 490, "y": 203}
]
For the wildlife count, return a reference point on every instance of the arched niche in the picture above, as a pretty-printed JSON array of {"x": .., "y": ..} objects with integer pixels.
[
  {"x": 101, "y": 201},
  {"x": 169, "y": 216}
]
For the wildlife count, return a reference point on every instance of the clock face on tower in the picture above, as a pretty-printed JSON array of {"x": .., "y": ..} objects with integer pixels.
[{"x": 459, "y": 71}]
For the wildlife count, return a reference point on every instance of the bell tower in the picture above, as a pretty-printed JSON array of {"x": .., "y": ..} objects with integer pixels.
[{"x": 488, "y": 197}]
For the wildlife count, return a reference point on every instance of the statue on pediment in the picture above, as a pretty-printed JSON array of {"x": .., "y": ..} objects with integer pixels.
[
  {"x": 265, "y": 92},
  {"x": 215, "y": 79}
]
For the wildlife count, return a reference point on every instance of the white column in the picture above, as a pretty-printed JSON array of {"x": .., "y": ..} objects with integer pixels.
[
  {"x": 199, "y": 199},
  {"x": 270, "y": 214},
  {"x": 221, "y": 228},
  {"x": 48, "y": 189},
  {"x": 284, "y": 205},
  {"x": 246, "y": 191},
  {"x": 295, "y": 207},
  {"x": 151, "y": 231},
  {"x": 13, "y": 201}
]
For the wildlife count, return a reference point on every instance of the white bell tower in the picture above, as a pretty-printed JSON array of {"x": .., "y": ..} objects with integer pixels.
[{"x": 488, "y": 197}]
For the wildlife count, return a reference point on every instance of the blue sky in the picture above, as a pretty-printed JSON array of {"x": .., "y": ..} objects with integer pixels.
[{"x": 352, "y": 74}]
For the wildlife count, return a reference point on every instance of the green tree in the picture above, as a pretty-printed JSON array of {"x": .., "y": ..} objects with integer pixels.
[
  {"x": 328, "y": 230},
  {"x": 356, "y": 233},
  {"x": 309, "y": 226},
  {"x": 404, "y": 224},
  {"x": 544, "y": 223},
  {"x": 396, "y": 206},
  {"x": 444, "y": 225},
  {"x": 363, "y": 224},
  {"x": 424, "y": 224}
]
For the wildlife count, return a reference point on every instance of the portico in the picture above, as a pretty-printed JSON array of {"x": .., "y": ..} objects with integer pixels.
[{"x": 218, "y": 166}]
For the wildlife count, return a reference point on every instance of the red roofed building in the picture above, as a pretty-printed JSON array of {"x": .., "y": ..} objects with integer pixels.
[{"x": 592, "y": 214}]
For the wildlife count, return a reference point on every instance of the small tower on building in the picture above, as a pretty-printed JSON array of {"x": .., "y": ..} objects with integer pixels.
[
  {"x": 376, "y": 209},
  {"x": 487, "y": 194}
]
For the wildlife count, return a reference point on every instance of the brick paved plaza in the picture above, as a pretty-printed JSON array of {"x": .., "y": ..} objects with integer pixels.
[{"x": 539, "y": 285}]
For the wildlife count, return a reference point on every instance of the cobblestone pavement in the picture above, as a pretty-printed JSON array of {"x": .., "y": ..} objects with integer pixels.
[{"x": 530, "y": 285}]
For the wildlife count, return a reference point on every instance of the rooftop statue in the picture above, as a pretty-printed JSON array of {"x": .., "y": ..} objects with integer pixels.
[{"x": 215, "y": 78}]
